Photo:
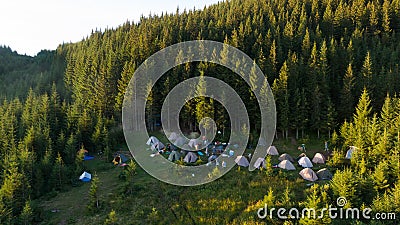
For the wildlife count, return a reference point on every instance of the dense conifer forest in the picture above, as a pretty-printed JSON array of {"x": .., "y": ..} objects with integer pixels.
[{"x": 333, "y": 67}]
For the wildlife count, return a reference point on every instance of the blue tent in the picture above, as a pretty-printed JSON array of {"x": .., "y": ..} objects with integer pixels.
[
  {"x": 119, "y": 159},
  {"x": 85, "y": 177},
  {"x": 88, "y": 157},
  {"x": 123, "y": 158}
]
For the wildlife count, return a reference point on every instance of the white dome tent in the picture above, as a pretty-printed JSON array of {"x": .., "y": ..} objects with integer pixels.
[{"x": 305, "y": 162}]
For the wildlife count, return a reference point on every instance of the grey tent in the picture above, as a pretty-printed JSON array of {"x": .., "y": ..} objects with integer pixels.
[
  {"x": 212, "y": 157},
  {"x": 242, "y": 161},
  {"x": 260, "y": 163},
  {"x": 152, "y": 140},
  {"x": 173, "y": 156},
  {"x": 287, "y": 165},
  {"x": 193, "y": 142},
  {"x": 173, "y": 136},
  {"x": 318, "y": 158},
  {"x": 286, "y": 156},
  {"x": 308, "y": 174},
  {"x": 179, "y": 142},
  {"x": 324, "y": 174},
  {"x": 272, "y": 150},
  {"x": 155, "y": 143},
  {"x": 190, "y": 157}
]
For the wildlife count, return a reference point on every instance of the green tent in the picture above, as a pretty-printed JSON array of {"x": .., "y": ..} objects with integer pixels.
[{"x": 173, "y": 156}]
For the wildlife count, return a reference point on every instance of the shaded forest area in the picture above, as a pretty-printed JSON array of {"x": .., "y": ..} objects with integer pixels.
[{"x": 318, "y": 56}]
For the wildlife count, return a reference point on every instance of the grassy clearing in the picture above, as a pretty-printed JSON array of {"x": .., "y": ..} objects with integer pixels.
[{"x": 232, "y": 199}]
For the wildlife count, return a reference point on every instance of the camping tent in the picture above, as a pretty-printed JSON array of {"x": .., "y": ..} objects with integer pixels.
[
  {"x": 318, "y": 158},
  {"x": 260, "y": 162},
  {"x": 305, "y": 162},
  {"x": 85, "y": 177},
  {"x": 88, "y": 157},
  {"x": 190, "y": 157},
  {"x": 119, "y": 159},
  {"x": 152, "y": 140},
  {"x": 212, "y": 157},
  {"x": 272, "y": 150},
  {"x": 242, "y": 161},
  {"x": 173, "y": 156},
  {"x": 286, "y": 156},
  {"x": 193, "y": 142},
  {"x": 179, "y": 142},
  {"x": 349, "y": 152},
  {"x": 287, "y": 165},
  {"x": 308, "y": 174},
  {"x": 324, "y": 174},
  {"x": 155, "y": 143},
  {"x": 173, "y": 136}
]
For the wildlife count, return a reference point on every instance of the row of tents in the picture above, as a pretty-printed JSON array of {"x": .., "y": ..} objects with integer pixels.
[
  {"x": 306, "y": 173},
  {"x": 177, "y": 140},
  {"x": 286, "y": 162}
]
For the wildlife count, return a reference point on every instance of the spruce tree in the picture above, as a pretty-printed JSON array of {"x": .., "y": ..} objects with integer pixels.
[
  {"x": 26, "y": 216},
  {"x": 93, "y": 204},
  {"x": 346, "y": 97},
  {"x": 280, "y": 90}
]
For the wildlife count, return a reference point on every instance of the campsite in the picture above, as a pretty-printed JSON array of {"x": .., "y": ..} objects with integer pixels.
[{"x": 249, "y": 187}]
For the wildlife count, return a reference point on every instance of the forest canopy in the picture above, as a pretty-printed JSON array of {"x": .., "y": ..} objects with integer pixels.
[{"x": 333, "y": 67}]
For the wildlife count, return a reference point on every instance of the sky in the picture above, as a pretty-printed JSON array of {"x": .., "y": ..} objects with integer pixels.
[{"x": 29, "y": 26}]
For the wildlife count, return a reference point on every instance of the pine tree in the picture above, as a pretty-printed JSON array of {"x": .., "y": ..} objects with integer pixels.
[
  {"x": 366, "y": 74},
  {"x": 26, "y": 214},
  {"x": 131, "y": 172},
  {"x": 79, "y": 166},
  {"x": 268, "y": 166},
  {"x": 58, "y": 173},
  {"x": 126, "y": 75},
  {"x": 273, "y": 60},
  {"x": 361, "y": 115},
  {"x": 386, "y": 17},
  {"x": 93, "y": 204},
  {"x": 317, "y": 199},
  {"x": 379, "y": 175},
  {"x": 343, "y": 185},
  {"x": 280, "y": 90},
  {"x": 13, "y": 192},
  {"x": 387, "y": 114},
  {"x": 269, "y": 199},
  {"x": 204, "y": 105},
  {"x": 347, "y": 98},
  {"x": 373, "y": 18},
  {"x": 111, "y": 218},
  {"x": 330, "y": 117},
  {"x": 306, "y": 44}
]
